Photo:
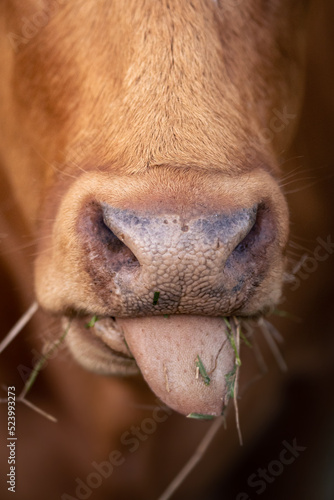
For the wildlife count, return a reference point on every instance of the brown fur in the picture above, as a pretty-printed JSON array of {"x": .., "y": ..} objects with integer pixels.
[{"x": 171, "y": 94}]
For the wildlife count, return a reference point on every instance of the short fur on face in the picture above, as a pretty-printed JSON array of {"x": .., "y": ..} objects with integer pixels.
[{"x": 156, "y": 108}]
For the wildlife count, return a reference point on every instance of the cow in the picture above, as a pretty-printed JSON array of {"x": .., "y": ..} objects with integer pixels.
[{"x": 143, "y": 210}]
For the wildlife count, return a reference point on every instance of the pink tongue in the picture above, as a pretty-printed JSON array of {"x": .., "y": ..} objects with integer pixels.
[{"x": 168, "y": 351}]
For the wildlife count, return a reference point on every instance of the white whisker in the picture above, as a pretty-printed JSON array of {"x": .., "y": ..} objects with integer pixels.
[
  {"x": 275, "y": 333},
  {"x": 272, "y": 345}
]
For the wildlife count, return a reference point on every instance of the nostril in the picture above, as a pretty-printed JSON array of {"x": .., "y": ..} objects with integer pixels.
[
  {"x": 247, "y": 241},
  {"x": 101, "y": 244},
  {"x": 260, "y": 234},
  {"x": 250, "y": 237},
  {"x": 108, "y": 238}
]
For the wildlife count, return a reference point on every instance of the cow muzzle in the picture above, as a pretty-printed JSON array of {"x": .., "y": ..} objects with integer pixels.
[{"x": 159, "y": 265}]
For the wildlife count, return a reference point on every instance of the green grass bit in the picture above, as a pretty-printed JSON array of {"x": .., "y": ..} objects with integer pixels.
[
  {"x": 232, "y": 341},
  {"x": 39, "y": 365},
  {"x": 156, "y": 298},
  {"x": 199, "y": 416},
  {"x": 230, "y": 381},
  {"x": 286, "y": 314},
  {"x": 128, "y": 348},
  {"x": 228, "y": 324},
  {"x": 202, "y": 371},
  {"x": 245, "y": 339},
  {"x": 92, "y": 322}
]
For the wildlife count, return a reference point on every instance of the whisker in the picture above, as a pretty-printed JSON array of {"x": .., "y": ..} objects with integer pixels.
[
  {"x": 259, "y": 357},
  {"x": 293, "y": 173},
  {"x": 52, "y": 165},
  {"x": 296, "y": 157},
  {"x": 275, "y": 333},
  {"x": 298, "y": 246},
  {"x": 298, "y": 264},
  {"x": 300, "y": 238},
  {"x": 272, "y": 345},
  {"x": 301, "y": 188},
  {"x": 292, "y": 181}
]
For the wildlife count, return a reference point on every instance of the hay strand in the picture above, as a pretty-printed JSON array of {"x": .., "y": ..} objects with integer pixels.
[
  {"x": 18, "y": 326},
  {"x": 193, "y": 461}
]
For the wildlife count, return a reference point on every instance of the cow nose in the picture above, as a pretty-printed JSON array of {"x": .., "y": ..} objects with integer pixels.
[
  {"x": 195, "y": 264},
  {"x": 161, "y": 237}
]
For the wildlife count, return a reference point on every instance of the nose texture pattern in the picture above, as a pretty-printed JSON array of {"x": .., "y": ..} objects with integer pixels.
[
  {"x": 172, "y": 240},
  {"x": 181, "y": 257},
  {"x": 196, "y": 264}
]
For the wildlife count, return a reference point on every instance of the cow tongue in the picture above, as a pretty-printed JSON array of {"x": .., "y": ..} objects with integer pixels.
[{"x": 184, "y": 359}]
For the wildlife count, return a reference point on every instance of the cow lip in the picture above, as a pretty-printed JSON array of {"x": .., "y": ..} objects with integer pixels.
[
  {"x": 99, "y": 347},
  {"x": 106, "y": 331},
  {"x": 109, "y": 332}
]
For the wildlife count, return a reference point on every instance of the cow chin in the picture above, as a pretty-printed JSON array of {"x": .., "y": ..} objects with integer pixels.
[{"x": 159, "y": 258}]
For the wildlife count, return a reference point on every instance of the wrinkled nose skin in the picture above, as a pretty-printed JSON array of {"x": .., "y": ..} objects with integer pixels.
[
  {"x": 165, "y": 242},
  {"x": 175, "y": 264}
]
